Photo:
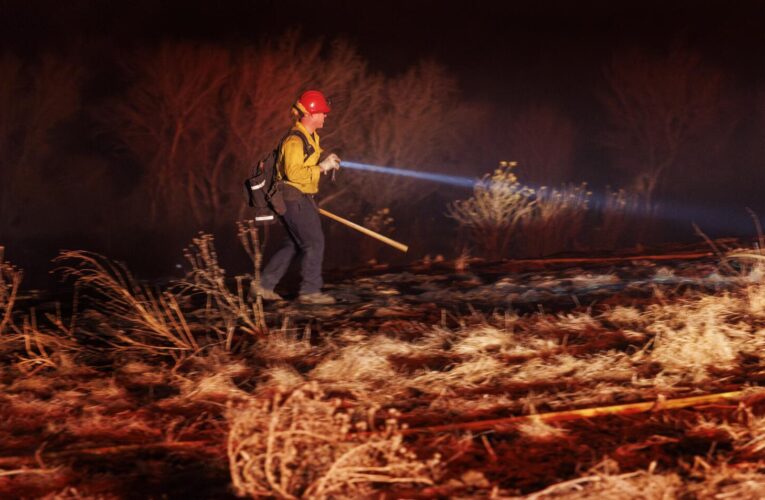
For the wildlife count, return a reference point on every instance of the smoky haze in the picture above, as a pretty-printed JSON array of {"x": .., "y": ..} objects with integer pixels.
[{"x": 128, "y": 127}]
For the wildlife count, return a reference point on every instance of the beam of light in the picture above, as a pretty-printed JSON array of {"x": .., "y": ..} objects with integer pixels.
[
  {"x": 719, "y": 220},
  {"x": 453, "y": 180}
]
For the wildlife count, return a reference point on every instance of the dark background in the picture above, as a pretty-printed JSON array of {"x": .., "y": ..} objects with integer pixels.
[{"x": 502, "y": 55}]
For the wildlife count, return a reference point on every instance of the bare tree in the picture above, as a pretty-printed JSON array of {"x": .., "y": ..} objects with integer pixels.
[
  {"x": 199, "y": 117},
  {"x": 34, "y": 99},
  {"x": 415, "y": 120},
  {"x": 169, "y": 121},
  {"x": 272, "y": 78},
  {"x": 657, "y": 105},
  {"x": 257, "y": 99},
  {"x": 541, "y": 140}
]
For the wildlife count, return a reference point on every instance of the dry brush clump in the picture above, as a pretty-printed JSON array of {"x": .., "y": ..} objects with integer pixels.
[
  {"x": 689, "y": 336},
  {"x": 624, "y": 218},
  {"x": 504, "y": 215},
  {"x": 33, "y": 344},
  {"x": 557, "y": 221},
  {"x": 302, "y": 444},
  {"x": 498, "y": 205},
  {"x": 153, "y": 321},
  {"x": 226, "y": 311},
  {"x": 138, "y": 316}
]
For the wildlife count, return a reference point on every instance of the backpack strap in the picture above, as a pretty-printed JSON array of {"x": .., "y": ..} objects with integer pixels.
[{"x": 308, "y": 149}]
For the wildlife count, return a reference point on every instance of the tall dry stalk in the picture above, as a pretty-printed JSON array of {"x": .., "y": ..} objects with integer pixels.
[
  {"x": 226, "y": 311},
  {"x": 249, "y": 237},
  {"x": 10, "y": 279},
  {"x": 34, "y": 346}
]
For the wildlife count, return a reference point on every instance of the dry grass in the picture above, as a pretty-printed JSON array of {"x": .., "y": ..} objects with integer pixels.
[
  {"x": 300, "y": 444},
  {"x": 540, "y": 431},
  {"x": 137, "y": 317},
  {"x": 281, "y": 378},
  {"x": 140, "y": 317},
  {"x": 692, "y": 337},
  {"x": 211, "y": 378},
  {"x": 556, "y": 221},
  {"x": 225, "y": 311},
  {"x": 721, "y": 482},
  {"x": 639, "y": 485},
  {"x": 197, "y": 348},
  {"x": 282, "y": 345}
]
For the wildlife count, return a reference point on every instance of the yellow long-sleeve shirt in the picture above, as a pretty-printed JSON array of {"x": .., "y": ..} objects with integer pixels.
[{"x": 300, "y": 173}]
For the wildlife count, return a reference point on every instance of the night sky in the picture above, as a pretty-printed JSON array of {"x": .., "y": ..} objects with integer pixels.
[{"x": 483, "y": 42}]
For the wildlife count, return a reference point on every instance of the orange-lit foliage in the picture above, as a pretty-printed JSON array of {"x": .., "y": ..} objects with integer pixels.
[
  {"x": 256, "y": 101},
  {"x": 504, "y": 217},
  {"x": 198, "y": 117},
  {"x": 418, "y": 121},
  {"x": 657, "y": 105},
  {"x": 169, "y": 120}
]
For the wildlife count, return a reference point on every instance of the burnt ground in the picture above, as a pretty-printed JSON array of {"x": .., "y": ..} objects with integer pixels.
[{"x": 95, "y": 423}]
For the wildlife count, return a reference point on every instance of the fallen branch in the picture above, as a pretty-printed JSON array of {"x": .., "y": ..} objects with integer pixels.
[
  {"x": 563, "y": 416},
  {"x": 18, "y": 472},
  {"x": 626, "y": 258},
  {"x": 20, "y": 461}
]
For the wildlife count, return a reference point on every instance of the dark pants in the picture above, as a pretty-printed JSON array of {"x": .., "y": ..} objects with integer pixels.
[{"x": 304, "y": 235}]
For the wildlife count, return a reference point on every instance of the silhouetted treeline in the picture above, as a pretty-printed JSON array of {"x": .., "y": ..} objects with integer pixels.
[{"x": 132, "y": 155}]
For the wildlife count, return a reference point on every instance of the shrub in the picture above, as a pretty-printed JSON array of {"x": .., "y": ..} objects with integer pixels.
[
  {"x": 491, "y": 216},
  {"x": 300, "y": 444},
  {"x": 557, "y": 220}
]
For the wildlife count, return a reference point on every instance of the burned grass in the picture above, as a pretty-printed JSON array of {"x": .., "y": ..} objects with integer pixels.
[{"x": 431, "y": 381}]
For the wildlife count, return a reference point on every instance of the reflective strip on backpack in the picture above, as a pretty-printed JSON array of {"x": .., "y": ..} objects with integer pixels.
[
  {"x": 257, "y": 186},
  {"x": 264, "y": 217}
]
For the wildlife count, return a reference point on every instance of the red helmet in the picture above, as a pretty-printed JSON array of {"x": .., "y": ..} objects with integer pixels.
[{"x": 313, "y": 101}]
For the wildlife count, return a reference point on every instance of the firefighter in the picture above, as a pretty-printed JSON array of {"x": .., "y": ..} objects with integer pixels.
[{"x": 300, "y": 167}]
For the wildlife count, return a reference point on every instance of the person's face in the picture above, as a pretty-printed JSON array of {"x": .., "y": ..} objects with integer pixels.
[{"x": 317, "y": 120}]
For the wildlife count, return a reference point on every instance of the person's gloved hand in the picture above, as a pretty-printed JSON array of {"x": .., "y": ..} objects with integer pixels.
[{"x": 331, "y": 162}]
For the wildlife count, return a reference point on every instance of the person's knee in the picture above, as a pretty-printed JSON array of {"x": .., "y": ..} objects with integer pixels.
[{"x": 312, "y": 247}]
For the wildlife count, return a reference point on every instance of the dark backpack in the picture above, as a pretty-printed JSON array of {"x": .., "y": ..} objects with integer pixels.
[{"x": 265, "y": 188}]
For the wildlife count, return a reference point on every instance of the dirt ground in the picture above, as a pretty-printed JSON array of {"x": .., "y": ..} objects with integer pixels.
[{"x": 492, "y": 353}]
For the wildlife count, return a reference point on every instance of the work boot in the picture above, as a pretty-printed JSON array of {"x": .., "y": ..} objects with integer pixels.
[
  {"x": 267, "y": 295},
  {"x": 318, "y": 299}
]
